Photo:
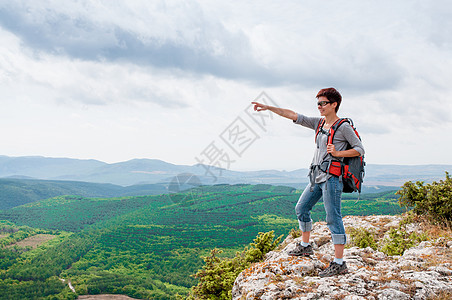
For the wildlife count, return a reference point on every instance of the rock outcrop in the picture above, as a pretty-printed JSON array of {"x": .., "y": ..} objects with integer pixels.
[{"x": 422, "y": 272}]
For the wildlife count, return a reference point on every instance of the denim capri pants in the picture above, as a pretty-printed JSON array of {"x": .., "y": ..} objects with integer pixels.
[{"x": 331, "y": 190}]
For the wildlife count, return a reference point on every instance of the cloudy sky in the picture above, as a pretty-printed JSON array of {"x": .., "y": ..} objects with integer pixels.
[{"x": 173, "y": 80}]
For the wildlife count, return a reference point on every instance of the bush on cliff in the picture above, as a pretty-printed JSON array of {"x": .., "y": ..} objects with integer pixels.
[
  {"x": 217, "y": 277},
  {"x": 400, "y": 240},
  {"x": 434, "y": 200},
  {"x": 362, "y": 238}
]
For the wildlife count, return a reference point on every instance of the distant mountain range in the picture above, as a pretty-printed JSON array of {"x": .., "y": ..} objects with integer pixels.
[{"x": 153, "y": 171}]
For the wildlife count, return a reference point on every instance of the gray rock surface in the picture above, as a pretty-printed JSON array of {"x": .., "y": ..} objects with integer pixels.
[{"x": 422, "y": 272}]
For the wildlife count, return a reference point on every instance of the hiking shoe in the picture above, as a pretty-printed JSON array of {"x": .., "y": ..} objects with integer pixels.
[
  {"x": 334, "y": 269},
  {"x": 301, "y": 251}
]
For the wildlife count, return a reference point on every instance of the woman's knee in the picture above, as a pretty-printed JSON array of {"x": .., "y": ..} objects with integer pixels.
[
  {"x": 333, "y": 219},
  {"x": 298, "y": 210},
  {"x": 301, "y": 209}
]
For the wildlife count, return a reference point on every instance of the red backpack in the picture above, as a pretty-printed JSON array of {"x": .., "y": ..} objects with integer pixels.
[{"x": 351, "y": 168}]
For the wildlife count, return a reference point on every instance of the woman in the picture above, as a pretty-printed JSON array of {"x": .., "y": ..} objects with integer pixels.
[{"x": 323, "y": 184}]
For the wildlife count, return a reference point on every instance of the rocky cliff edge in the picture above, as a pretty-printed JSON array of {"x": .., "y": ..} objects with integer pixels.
[{"x": 422, "y": 272}]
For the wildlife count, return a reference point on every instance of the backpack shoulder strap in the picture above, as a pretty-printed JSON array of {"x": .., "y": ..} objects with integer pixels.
[
  {"x": 353, "y": 127},
  {"x": 336, "y": 125},
  {"x": 320, "y": 125},
  {"x": 334, "y": 128}
]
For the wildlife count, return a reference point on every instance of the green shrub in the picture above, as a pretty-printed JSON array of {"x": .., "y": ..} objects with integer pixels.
[
  {"x": 362, "y": 238},
  {"x": 295, "y": 233},
  {"x": 408, "y": 218},
  {"x": 433, "y": 199},
  {"x": 263, "y": 244},
  {"x": 217, "y": 277},
  {"x": 399, "y": 241}
]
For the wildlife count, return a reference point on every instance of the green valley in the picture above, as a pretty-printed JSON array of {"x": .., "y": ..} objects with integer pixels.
[{"x": 146, "y": 247}]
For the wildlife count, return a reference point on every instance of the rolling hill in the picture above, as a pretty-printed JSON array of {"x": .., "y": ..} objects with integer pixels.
[{"x": 15, "y": 192}]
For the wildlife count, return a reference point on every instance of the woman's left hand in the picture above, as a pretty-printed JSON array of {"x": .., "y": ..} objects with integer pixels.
[{"x": 331, "y": 149}]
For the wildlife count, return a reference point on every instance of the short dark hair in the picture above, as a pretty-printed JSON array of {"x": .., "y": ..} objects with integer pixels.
[{"x": 332, "y": 95}]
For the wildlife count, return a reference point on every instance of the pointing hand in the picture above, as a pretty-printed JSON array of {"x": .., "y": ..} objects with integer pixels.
[{"x": 259, "y": 107}]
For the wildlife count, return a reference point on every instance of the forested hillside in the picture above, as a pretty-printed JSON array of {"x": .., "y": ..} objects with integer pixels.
[
  {"x": 15, "y": 192},
  {"x": 146, "y": 247}
]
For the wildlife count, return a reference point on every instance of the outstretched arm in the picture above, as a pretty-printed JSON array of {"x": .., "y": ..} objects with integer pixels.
[{"x": 286, "y": 113}]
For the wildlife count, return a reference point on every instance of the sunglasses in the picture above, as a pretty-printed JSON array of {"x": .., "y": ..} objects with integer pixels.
[{"x": 322, "y": 103}]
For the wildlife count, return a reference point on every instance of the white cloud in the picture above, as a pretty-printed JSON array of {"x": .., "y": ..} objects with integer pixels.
[
  {"x": 163, "y": 79},
  {"x": 159, "y": 34}
]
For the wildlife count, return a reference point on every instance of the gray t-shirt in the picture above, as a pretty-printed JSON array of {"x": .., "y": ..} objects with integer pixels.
[{"x": 343, "y": 137}]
